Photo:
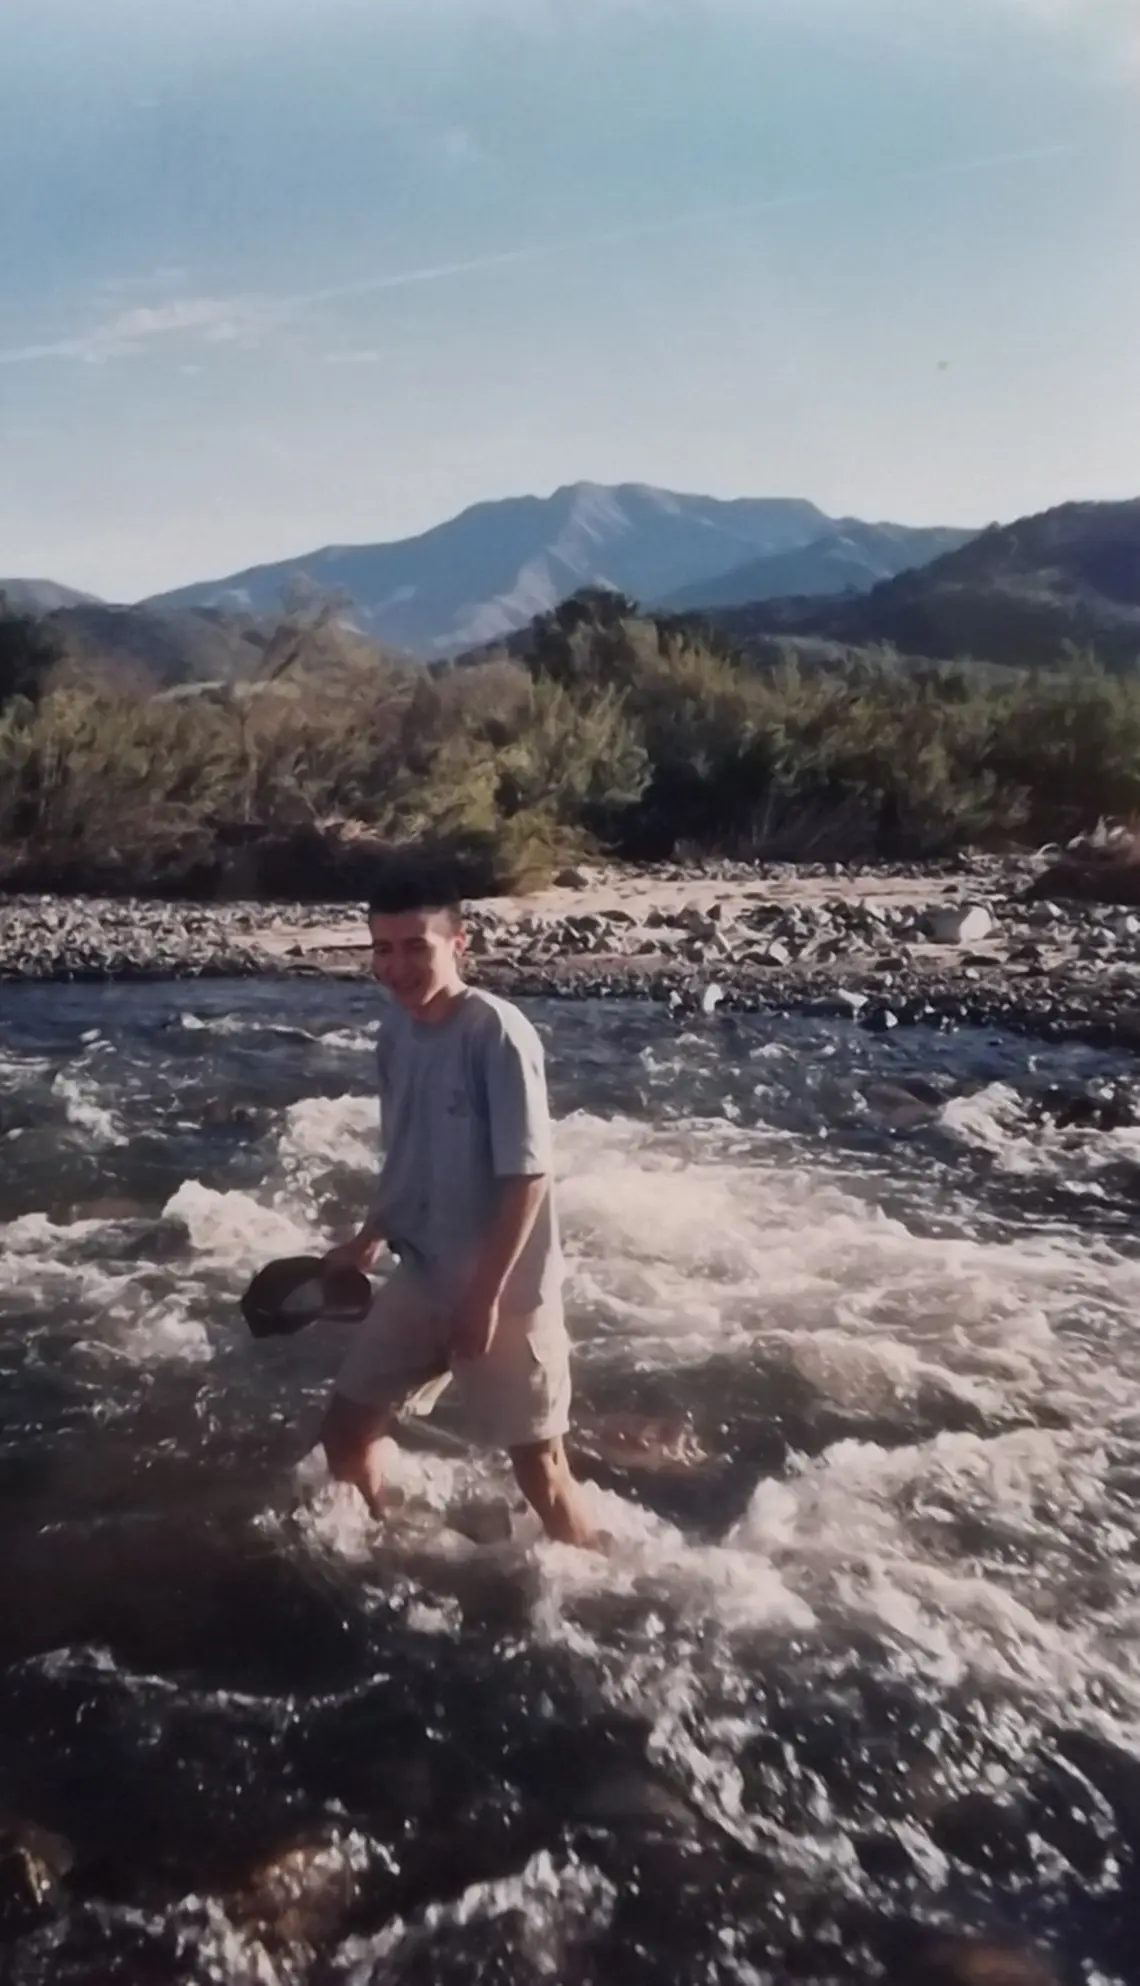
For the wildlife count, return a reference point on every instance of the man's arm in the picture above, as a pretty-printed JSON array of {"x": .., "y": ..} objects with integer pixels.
[{"x": 520, "y": 1203}]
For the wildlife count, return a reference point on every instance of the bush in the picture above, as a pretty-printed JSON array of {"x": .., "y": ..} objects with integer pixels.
[{"x": 29, "y": 651}]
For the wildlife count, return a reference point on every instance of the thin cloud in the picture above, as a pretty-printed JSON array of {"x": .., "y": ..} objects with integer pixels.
[
  {"x": 246, "y": 321},
  {"x": 129, "y": 333}
]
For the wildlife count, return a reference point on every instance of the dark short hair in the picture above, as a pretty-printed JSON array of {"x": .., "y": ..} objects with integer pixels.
[{"x": 408, "y": 886}]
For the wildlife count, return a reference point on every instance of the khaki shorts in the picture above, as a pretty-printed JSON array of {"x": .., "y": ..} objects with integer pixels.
[{"x": 518, "y": 1394}]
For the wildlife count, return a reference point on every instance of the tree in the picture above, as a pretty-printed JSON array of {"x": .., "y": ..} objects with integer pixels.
[{"x": 29, "y": 651}]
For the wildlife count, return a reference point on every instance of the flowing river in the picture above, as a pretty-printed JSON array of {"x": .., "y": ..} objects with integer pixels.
[{"x": 859, "y": 1404}]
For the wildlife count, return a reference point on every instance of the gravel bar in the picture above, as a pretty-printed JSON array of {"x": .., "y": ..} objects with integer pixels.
[{"x": 948, "y": 945}]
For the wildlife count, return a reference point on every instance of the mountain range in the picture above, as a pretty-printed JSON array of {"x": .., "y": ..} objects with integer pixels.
[
  {"x": 1024, "y": 594},
  {"x": 489, "y": 571}
]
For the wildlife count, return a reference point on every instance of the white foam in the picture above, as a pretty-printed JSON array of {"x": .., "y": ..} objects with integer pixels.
[
  {"x": 423, "y": 1491},
  {"x": 141, "y": 1331},
  {"x": 551, "y": 1903},
  {"x": 690, "y": 1255},
  {"x": 705, "y": 1585},
  {"x": 43, "y": 1265},
  {"x": 353, "y": 1040},
  {"x": 227, "y": 1026},
  {"x": 331, "y": 1131},
  {"x": 994, "y": 1120},
  {"x": 84, "y": 1109},
  {"x": 235, "y": 1229},
  {"x": 935, "y": 1544},
  {"x": 242, "y": 1230},
  {"x": 17, "y": 1069},
  {"x": 990, "y": 1120}
]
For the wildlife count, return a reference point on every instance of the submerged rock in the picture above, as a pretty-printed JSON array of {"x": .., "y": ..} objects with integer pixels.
[
  {"x": 33, "y": 1864},
  {"x": 665, "y": 1444},
  {"x": 303, "y": 1894}
]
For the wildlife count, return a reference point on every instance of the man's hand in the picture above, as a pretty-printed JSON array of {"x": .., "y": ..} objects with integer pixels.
[
  {"x": 473, "y": 1327},
  {"x": 359, "y": 1253}
]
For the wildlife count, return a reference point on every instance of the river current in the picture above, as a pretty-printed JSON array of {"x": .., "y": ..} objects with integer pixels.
[{"x": 858, "y": 1384}]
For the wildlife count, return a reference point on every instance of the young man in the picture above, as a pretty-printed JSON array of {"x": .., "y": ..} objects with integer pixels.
[{"x": 466, "y": 1204}]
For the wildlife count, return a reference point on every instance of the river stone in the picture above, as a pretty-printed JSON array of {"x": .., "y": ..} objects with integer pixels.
[
  {"x": 899, "y": 1105},
  {"x": 304, "y": 1893},
  {"x": 964, "y": 925},
  {"x": 33, "y": 1864},
  {"x": 661, "y": 1443},
  {"x": 631, "y": 1798}
]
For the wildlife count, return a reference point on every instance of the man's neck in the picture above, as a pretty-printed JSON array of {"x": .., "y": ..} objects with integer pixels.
[{"x": 442, "y": 1006}]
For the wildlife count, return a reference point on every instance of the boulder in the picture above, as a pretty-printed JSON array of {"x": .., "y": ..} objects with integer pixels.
[
  {"x": 1093, "y": 876},
  {"x": 960, "y": 924}
]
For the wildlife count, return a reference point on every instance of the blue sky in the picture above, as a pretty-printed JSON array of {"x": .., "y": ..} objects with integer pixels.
[{"x": 285, "y": 272}]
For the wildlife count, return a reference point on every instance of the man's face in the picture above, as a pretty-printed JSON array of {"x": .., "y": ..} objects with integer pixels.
[{"x": 415, "y": 956}]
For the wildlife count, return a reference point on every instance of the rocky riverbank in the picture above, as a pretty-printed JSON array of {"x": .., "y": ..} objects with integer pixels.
[{"x": 964, "y": 942}]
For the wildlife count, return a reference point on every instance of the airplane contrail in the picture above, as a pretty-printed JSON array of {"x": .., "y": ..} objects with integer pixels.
[
  {"x": 676, "y": 224},
  {"x": 250, "y": 318}
]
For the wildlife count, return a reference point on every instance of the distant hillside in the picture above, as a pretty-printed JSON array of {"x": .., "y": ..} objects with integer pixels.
[
  {"x": 853, "y": 558},
  {"x": 186, "y": 645},
  {"x": 171, "y": 647},
  {"x": 486, "y": 573},
  {"x": 1019, "y": 594},
  {"x": 41, "y": 596}
]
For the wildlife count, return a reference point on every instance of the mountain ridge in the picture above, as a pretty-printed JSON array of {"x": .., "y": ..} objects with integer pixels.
[
  {"x": 43, "y": 596},
  {"x": 1023, "y": 594},
  {"x": 853, "y": 557},
  {"x": 488, "y": 571}
]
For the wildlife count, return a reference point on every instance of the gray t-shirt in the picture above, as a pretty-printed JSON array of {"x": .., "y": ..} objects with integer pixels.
[{"x": 463, "y": 1105}]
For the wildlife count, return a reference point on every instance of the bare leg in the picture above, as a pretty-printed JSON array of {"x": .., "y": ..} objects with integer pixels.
[
  {"x": 351, "y": 1437},
  {"x": 542, "y": 1472}
]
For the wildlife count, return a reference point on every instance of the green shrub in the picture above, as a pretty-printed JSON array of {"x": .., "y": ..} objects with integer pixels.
[{"x": 603, "y": 728}]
